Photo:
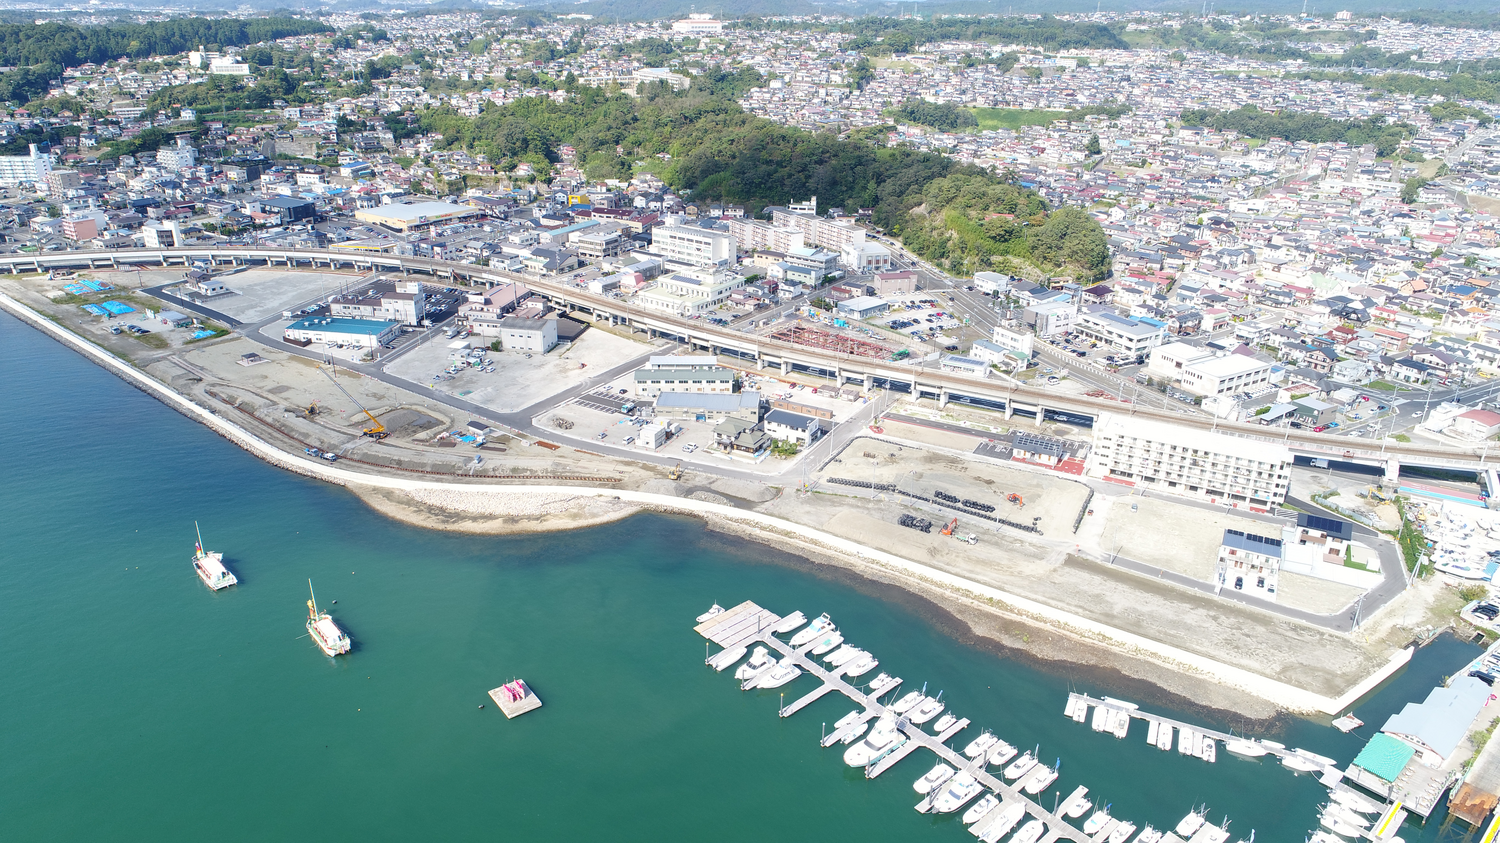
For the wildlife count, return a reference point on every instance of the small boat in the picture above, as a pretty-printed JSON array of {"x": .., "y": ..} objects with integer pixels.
[
  {"x": 1009, "y": 816},
  {"x": 1356, "y": 802},
  {"x": 957, "y": 793},
  {"x": 1245, "y": 748},
  {"x": 1187, "y": 741},
  {"x": 906, "y": 703},
  {"x": 855, "y": 734},
  {"x": 847, "y": 720},
  {"x": 210, "y": 565},
  {"x": 1071, "y": 706},
  {"x": 760, "y": 659},
  {"x": 1300, "y": 763},
  {"x": 843, "y": 655},
  {"x": 779, "y": 675},
  {"x": 944, "y": 723},
  {"x": 721, "y": 660},
  {"x": 828, "y": 642},
  {"x": 715, "y": 610},
  {"x": 1272, "y": 744},
  {"x": 1164, "y": 737},
  {"x": 1338, "y": 813},
  {"x": 789, "y": 623},
  {"x": 1348, "y": 723},
  {"x": 1151, "y": 732},
  {"x": 1019, "y": 767},
  {"x": 977, "y": 811},
  {"x": 1122, "y": 724},
  {"x": 1150, "y": 835},
  {"x": 862, "y": 665},
  {"x": 936, "y": 776},
  {"x": 929, "y": 709},
  {"x": 883, "y": 738},
  {"x": 1208, "y": 748},
  {"x": 1000, "y": 753},
  {"x": 818, "y": 627},
  {"x": 1101, "y": 719},
  {"x": 1189, "y": 825},
  {"x": 1339, "y": 827},
  {"x": 1122, "y": 832},
  {"x": 1041, "y": 781},
  {"x": 1030, "y": 832},
  {"x": 980, "y": 745},
  {"x": 1096, "y": 821},
  {"x": 324, "y": 632}
]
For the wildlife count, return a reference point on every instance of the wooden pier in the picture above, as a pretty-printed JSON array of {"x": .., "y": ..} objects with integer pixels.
[{"x": 748, "y": 624}]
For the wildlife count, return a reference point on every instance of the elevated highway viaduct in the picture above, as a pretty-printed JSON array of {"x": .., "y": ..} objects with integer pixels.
[{"x": 786, "y": 359}]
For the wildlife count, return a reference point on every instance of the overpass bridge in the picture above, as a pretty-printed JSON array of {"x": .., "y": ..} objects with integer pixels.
[{"x": 763, "y": 353}]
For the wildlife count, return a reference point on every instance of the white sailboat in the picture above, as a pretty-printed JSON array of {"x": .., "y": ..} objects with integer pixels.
[
  {"x": 929, "y": 709},
  {"x": 980, "y": 745},
  {"x": 1020, "y": 767}
]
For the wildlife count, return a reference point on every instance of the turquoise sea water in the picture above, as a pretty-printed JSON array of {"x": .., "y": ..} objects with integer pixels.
[{"x": 136, "y": 705}]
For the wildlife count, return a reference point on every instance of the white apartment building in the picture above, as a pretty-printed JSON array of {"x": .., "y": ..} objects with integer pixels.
[
  {"x": 698, "y": 246},
  {"x": 1128, "y": 335},
  {"x": 1202, "y": 372},
  {"x": 698, "y": 24},
  {"x": 177, "y": 158},
  {"x": 866, "y": 257},
  {"x": 818, "y": 231},
  {"x": 1191, "y": 463},
  {"x": 31, "y": 168},
  {"x": 689, "y": 293},
  {"x": 755, "y": 235}
]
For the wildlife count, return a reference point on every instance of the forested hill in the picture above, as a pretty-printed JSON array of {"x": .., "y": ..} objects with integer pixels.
[
  {"x": 962, "y": 217},
  {"x": 65, "y": 45}
]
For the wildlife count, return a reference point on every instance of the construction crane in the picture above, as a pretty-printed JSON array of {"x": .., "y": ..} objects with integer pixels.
[
  {"x": 1016, "y": 499},
  {"x": 952, "y": 525},
  {"x": 675, "y": 473},
  {"x": 376, "y": 430}
]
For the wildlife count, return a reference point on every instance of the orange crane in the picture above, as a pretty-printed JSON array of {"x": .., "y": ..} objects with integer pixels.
[
  {"x": 376, "y": 430},
  {"x": 952, "y": 525}
]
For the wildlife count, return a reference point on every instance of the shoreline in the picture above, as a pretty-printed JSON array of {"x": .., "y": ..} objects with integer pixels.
[{"x": 469, "y": 507}]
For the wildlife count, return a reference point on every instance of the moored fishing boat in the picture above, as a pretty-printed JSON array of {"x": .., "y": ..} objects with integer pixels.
[
  {"x": 210, "y": 565},
  {"x": 323, "y": 631}
]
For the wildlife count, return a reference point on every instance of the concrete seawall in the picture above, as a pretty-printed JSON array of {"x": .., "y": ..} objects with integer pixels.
[{"x": 1279, "y": 693}]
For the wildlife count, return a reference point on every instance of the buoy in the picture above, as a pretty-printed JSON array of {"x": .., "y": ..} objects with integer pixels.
[{"x": 481, "y": 705}]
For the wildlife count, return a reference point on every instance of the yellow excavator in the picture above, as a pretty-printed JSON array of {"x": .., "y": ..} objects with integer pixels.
[
  {"x": 675, "y": 473},
  {"x": 376, "y": 430}
]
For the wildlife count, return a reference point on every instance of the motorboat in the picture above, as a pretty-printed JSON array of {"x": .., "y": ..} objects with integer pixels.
[
  {"x": 818, "y": 627},
  {"x": 324, "y": 632},
  {"x": 716, "y": 609},
  {"x": 843, "y": 655},
  {"x": 883, "y": 682},
  {"x": 1150, "y": 835},
  {"x": 1339, "y": 827},
  {"x": 856, "y": 733},
  {"x": 1164, "y": 737},
  {"x": 930, "y": 708},
  {"x": 847, "y": 720},
  {"x": 1040, "y": 781},
  {"x": 1000, "y": 753},
  {"x": 1009, "y": 816},
  {"x": 882, "y": 739},
  {"x": 828, "y": 642},
  {"x": 779, "y": 675},
  {"x": 1189, "y": 825},
  {"x": 1122, "y": 832},
  {"x": 721, "y": 660},
  {"x": 1019, "y": 767},
  {"x": 1300, "y": 763},
  {"x": 1208, "y": 748},
  {"x": 1030, "y": 832},
  {"x": 978, "y": 810},
  {"x": 862, "y": 665},
  {"x": 1076, "y": 803},
  {"x": 1245, "y": 748},
  {"x": 906, "y": 703},
  {"x": 936, "y": 776},
  {"x": 944, "y": 723},
  {"x": 1072, "y": 706},
  {"x": 1356, "y": 802},
  {"x": 1337, "y": 812},
  {"x": 789, "y": 623},
  {"x": 1096, "y": 821},
  {"x": 1215, "y": 833},
  {"x": 1348, "y": 723},
  {"x": 980, "y": 745},
  {"x": 760, "y": 659},
  {"x": 1122, "y": 724},
  {"x": 957, "y": 793}
]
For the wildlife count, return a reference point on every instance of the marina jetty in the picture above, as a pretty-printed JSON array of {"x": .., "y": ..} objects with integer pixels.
[
  {"x": 515, "y": 698},
  {"x": 1000, "y": 805}
]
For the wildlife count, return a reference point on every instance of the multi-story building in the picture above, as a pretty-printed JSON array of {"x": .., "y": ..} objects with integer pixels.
[
  {"x": 690, "y": 292},
  {"x": 406, "y": 305},
  {"x": 598, "y": 245},
  {"x": 84, "y": 225},
  {"x": 31, "y": 168},
  {"x": 1132, "y": 336},
  {"x": 61, "y": 182},
  {"x": 820, "y": 231},
  {"x": 177, "y": 158},
  {"x": 698, "y": 24},
  {"x": 1192, "y": 463},
  {"x": 1202, "y": 372},
  {"x": 690, "y": 244},
  {"x": 754, "y": 235},
  {"x": 683, "y": 375}
]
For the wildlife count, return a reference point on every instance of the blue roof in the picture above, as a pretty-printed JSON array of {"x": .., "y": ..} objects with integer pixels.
[
  {"x": 1441, "y": 720},
  {"x": 340, "y": 325}
]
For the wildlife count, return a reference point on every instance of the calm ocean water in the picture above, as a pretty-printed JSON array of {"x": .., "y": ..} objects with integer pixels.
[{"x": 139, "y": 706}]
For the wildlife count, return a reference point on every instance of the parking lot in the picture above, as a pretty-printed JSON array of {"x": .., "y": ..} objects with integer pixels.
[
  {"x": 510, "y": 380},
  {"x": 263, "y": 293}
]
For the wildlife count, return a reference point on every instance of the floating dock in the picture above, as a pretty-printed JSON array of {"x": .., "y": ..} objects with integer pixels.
[
  {"x": 515, "y": 699},
  {"x": 748, "y": 624}
]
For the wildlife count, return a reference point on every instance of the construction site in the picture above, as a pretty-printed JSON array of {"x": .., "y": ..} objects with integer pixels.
[{"x": 815, "y": 338}]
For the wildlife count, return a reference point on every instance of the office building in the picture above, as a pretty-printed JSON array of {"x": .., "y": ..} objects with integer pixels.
[{"x": 1198, "y": 464}]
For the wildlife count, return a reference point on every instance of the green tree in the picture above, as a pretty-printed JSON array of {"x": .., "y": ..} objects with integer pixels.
[
  {"x": 1093, "y": 147},
  {"x": 1411, "y": 188}
]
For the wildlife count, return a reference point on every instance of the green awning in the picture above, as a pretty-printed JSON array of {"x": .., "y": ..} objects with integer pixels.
[{"x": 1385, "y": 756}]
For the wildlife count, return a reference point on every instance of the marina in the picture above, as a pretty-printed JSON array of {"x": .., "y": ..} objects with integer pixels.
[{"x": 749, "y": 625}]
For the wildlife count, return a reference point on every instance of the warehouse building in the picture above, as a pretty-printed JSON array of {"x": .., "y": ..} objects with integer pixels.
[
  {"x": 331, "y": 330},
  {"x": 416, "y": 216}
]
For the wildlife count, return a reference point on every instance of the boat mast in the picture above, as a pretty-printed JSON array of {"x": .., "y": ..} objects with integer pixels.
[
  {"x": 313, "y": 603},
  {"x": 199, "y": 530}
]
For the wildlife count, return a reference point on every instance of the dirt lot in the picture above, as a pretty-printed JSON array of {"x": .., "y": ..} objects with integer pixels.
[
  {"x": 517, "y": 382},
  {"x": 262, "y": 293}
]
